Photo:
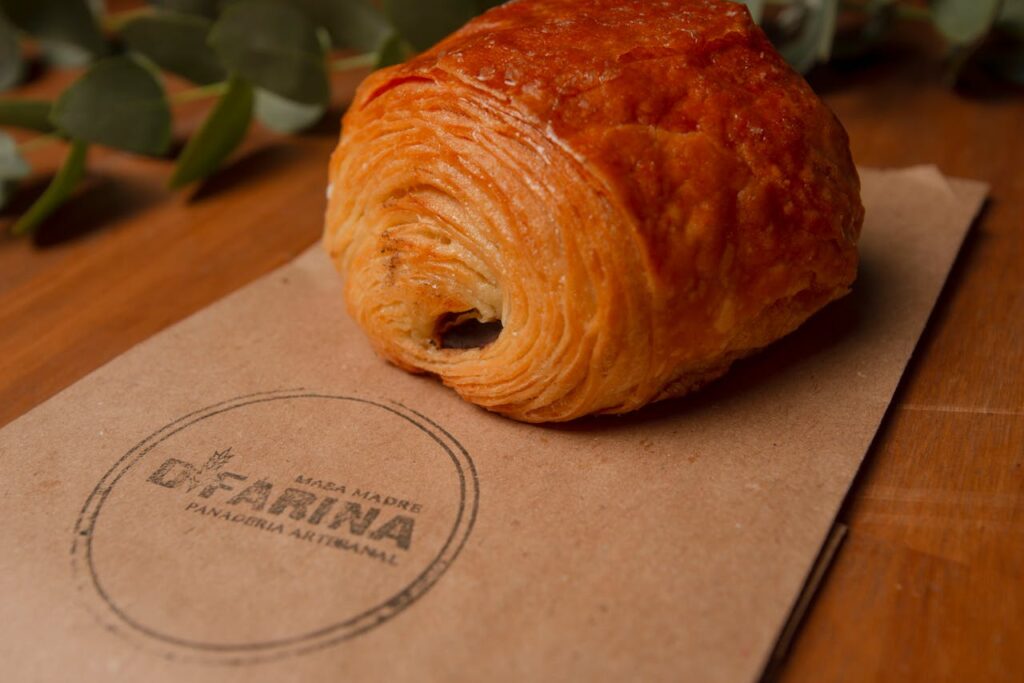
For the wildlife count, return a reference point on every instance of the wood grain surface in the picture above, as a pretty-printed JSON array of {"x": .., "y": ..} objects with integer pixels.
[{"x": 929, "y": 584}]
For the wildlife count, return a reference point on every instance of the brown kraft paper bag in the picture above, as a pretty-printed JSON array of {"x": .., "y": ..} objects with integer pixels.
[{"x": 252, "y": 495}]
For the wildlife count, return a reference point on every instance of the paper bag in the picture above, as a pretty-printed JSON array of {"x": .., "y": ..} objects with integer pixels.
[{"x": 252, "y": 495}]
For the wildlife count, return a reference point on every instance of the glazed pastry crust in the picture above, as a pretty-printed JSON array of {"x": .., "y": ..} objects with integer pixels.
[{"x": 640, "y": 192}]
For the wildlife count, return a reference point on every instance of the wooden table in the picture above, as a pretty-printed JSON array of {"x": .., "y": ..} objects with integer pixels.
[{"x": 929, "y": 584}]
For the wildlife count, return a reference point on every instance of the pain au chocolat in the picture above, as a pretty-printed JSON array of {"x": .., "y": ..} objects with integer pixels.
[{"x": 572, "y": 207}]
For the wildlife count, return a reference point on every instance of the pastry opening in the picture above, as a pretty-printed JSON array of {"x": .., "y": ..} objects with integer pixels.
[{"x": 465, "y": 330}]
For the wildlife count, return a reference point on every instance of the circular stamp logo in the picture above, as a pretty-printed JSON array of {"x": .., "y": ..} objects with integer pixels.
[{"x": 274, "y": 524}]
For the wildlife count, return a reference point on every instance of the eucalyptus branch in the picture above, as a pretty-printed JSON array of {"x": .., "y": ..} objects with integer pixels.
[
  {"x": 202, "y": 92},
  {"x": 271, "y": 62}
]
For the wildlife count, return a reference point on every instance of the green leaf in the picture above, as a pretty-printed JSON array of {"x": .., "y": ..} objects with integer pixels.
[
  {"x": 12, "y": 167},
  {"x": 1005, "y": 57},
  {"x": 60, "y": 188},
  {"x": 756, "y": 8},
  {"x": 275, "y": 47},
  {"x": 68, "y": 22},
  {"x": 30, "y": 114},
  {"x": 964, "y": 21},
  {"x": 1011, "y": 18},
  {"x": 285, "y": 116},
  {"x": 223, "y": 130},
  {"x": 827, "y": 18},
  {"x": 425, "y": 23},
  {"x": 352, "y": 24},
  {"x": 394, "y": 51},
  {"x": 12, "y": 65},
  {"x": 64, "y": 55},
  {"x": 176, "y": 43},
  {"x": 12, "y": 164},
  {"x": 813, "y": 42},
  {"x": 202, "y": 8},
  {"x": 118, "y": 103}
]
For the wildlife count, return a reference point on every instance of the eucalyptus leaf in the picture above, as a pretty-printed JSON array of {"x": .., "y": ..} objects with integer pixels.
[
  {"x": 813, "y": 42},
  {"x": 756, "y": 8},
  {"x": 12, "y": 167},
  {"x": 828, "y": 18},
  {"x": 60, "y": 188},
  {"x": 30, "y": 114},
  {"x": 221, "y": 132},
  {"x": 425, "y": 23},
  {"x": 202, "y": 8},
  {"x": 119, "y": 103},
  {"x": 64, "y": 55},
  {"x": 352, "y": 24},
  {"x": 1011, "y": 18},
  {"x": 285, "y": 116},
  {"x": 394, "y": 51},
  {"x": 964, "y": 21},
  {"x": 177, "y": 43},
  {"x": 1005, "y": 56},
  {"x": 275, "y": 47},
  {"x": 57, "y": 22},
  {"x": 12, "y": 65}
]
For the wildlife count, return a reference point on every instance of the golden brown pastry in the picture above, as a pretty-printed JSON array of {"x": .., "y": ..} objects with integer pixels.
[{"x": 639, "y": 192}]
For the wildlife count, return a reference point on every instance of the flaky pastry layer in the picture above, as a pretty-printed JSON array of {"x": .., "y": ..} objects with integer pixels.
[{"x": 640, "y": 192}]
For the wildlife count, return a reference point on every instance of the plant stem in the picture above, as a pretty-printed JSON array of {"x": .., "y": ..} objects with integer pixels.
[
  {"x": 199, "y": 93},
  {"x": 354, "y": 62}
]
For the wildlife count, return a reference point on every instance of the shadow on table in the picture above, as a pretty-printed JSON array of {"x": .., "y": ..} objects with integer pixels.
[
  {"x": 328, "y": 126},
  {"x": 262, "y": 161},
  {"x": 266, "y": 159},
  {"x": 98, "y": 204}
]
